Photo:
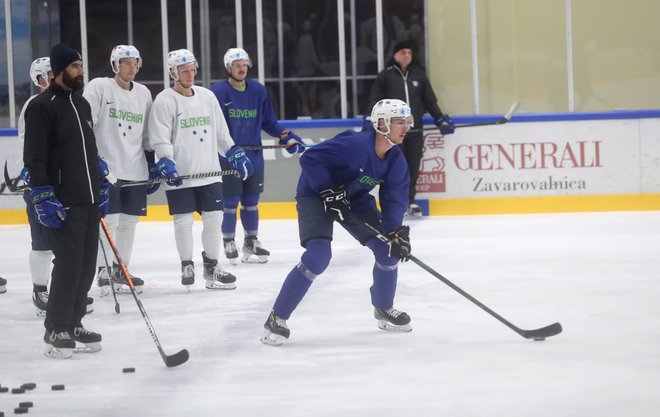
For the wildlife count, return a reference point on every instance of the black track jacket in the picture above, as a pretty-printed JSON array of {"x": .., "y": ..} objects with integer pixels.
[{"x": 60, "y": 147}]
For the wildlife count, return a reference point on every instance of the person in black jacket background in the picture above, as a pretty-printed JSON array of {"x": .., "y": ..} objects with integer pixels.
[
  {"x": 67, "y": 196},
  {"x": 405, "y": 80}
]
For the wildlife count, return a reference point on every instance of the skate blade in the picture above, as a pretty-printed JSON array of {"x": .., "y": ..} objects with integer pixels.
[
  {"x": 416, "y": 216},
  {"x": 272, "y": 339},
  {"x": 389, "y": 327},
  {"x": 213, "y": 285},
  {"x": 125, "y": 289},
  {"x": 233, "y": 261},
  {"x": 88, "y": 348},
  {"x": 254, "y": 259},
  {"x": 57, "y": 353}
]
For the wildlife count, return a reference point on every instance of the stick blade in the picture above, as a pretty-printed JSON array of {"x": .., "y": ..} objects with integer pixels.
[
  {"x": 508, "y": 114},
  {"x": 547, "y": 331},
  {"x": 176, "y": 359}
]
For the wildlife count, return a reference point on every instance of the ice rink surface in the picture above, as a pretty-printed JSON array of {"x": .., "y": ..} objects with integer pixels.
[{"x": 596, "y": 273}]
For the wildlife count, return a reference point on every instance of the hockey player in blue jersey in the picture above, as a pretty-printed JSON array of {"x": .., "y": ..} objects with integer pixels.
[
  {"x": 335, "y": 183},
  {"x": 248, "y": 111}
]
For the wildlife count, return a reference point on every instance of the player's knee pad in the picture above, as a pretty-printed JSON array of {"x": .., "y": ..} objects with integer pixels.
[
  {"x": 111, "y": 220},
  {"x": 317, "y": 255},
  {"x": 212, "y": 219},
  {"x": 381, "y": 250},
  {"x": 185, "y": 219},
  {"x": 127, "y": 222},
  {"x": 249, "y": 200},
  {"x": 231, "y": 203}
]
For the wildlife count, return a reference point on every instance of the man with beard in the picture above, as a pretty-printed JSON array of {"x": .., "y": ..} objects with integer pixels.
[{"x": 68, "y": 195}]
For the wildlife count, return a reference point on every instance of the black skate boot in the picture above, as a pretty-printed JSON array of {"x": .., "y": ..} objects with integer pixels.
[
  {"x": 3, "y": 285},
  {"x": 253, "y": 252},
  {"x": 231, "y": 251},
  {"x": 276, "y": 330},
  {"x": 217, "y": 278},
  {"x": 187, "y": 273},
  {"x": 40, "y": 299},
  {"x": 59, "y": 344},
  {"x": 90, "y": 340},
  {"x": 392, "y": 319},
  {"x": 414, "y": 211},
  {"x": 121, "y": 283}
]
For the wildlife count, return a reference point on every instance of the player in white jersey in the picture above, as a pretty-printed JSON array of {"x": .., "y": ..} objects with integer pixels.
[
  {"x": 187, "y": 132},
  {"x": 120, "y": 109}
]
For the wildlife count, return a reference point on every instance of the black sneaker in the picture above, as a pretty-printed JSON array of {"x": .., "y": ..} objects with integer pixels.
[
  {"x": 59, "y": 344},
  {"x": 91, "y": 340},
  {"x": 276, "y": 330},
  {"x": 392, "y": 319}
]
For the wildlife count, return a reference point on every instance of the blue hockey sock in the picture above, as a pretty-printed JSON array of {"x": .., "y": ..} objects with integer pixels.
[
  {"x": 250, "y": 213},
  {"x": 229, "y": 217},
  {"x": 385, "y": 274}
]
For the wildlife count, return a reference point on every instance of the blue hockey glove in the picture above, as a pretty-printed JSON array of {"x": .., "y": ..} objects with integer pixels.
[
  {"x": 47, "y": 207},
  {"x": 103, "y": 168},
  {"x": 25, "y": 175},
  {"x": 104, "y": 198},
  {"x": 168, "y": 171},
  {"x": 240, "y": 162},
  {"x": 294, "y": 142},
  {"x": 154, "y": 173},
  {"x": 400, "y": 243},
  {"x": 446, "y": 124},
  {"x": 335, "y": 202}
]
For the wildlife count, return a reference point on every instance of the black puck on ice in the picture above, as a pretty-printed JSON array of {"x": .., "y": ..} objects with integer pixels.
[
  {"x": 26, "y": 404},
  {"x": 20, "y": 410},
  {"x": 18, "y": 390},
  {"x": 128, "y": 370},
  {"x": 29, "y": 386},
  {"x": 57, "y": 387}
]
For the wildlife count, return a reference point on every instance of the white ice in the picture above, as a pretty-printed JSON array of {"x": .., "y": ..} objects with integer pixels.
[{"x": 596, "y": 273}]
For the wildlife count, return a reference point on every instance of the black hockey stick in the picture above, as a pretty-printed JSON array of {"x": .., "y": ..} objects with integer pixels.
[
  {"x": 127, "y": 183},
  {"x": 107, "y": 266},
  {"x": 12, "y": 185},
  {"x": 505, "y": 118},
  {"x": 170, "y": 360},
  {"x": 261, "y": 147},
  {"x": 536, "y": 334}
]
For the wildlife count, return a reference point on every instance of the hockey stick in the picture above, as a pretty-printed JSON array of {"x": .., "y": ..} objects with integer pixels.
[
  {"x": 505, "y": 118},
  {"x": 261, "y": 147},
  {"x": 170, "y": 360},
  {"x": 12, "y": 185},
  {"x": 107, "y": 266},
  {"x": 125, "y": 183},
  {"x": 536, "y": 334}
]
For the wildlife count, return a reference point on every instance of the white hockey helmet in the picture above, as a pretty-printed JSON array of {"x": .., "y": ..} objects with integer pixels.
[
  {"x": 387, "y": 109},
  {"x": 236, "y": 54},
  {"x": 180, "y": 57},
  {"x": 40, "y": 66},
  {"x": 124, "y": 51}
]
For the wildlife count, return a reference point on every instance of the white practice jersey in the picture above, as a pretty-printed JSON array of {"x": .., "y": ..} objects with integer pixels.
[
  {"x": 190, "y": 131},
  {"x": 120, "y": 126},
  {"x": 21, "y": 122}
]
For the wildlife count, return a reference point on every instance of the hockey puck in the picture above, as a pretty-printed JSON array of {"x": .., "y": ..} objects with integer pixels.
[
  {"x": 26, "y": 404},
  {"x": 20, "y": 410},
  {"x": 18, "y": 390},
  {"x": 58, "y": 387},
  {"x": 128, "y": 370},
  {"x": 29, "y": 386},
  {"x": 539, "y": 339}
]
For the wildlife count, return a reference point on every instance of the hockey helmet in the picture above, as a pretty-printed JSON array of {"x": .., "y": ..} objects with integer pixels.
[
  {"x": 387, "y": 109},
  {"x": 40, "y": 66},
  {"x": 124, "y": 51},
  {"x": 236, "y": 54}
]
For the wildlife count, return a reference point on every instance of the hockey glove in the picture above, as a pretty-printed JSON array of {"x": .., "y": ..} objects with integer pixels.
[
  {"x": 400, "y": 243},
  {"x": 154, "y": 173},
  {"x": 25, "y": 175},
  {"x": 294, "y": 142},
  {"x": 239, "y": 161},
  {"x": 446, "y": 124},
  {"x": 168, "y": 171},
  {"x": 103, "y": 168},
  {"x": 335, "y": 202},
  {"x": 47, "y": 207},
  {"x": 104, "y": 198}
]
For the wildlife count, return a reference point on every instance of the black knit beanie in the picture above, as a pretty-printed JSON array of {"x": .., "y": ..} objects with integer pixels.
[{"x": 61, "y": 56}]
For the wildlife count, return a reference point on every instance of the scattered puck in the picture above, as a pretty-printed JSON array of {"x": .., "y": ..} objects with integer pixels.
[
  {"x": 539, "y": 339},
  {"x": 58, "y": 387},
  {"x": 29, "y": 385},
  {"x": 4, "y": 389},
  {"x": 17, "y": 390},
  {"x": 20, "y": 410},
  {"x": 26, "y": 404},
  {"x": 128, "y": 370}
]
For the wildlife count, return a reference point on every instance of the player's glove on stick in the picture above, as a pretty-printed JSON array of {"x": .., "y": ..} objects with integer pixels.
[
  {"x": 47, "y": 207},
  {"x": 400, "y": 243},
  {"x": 240, "y": 162},
  {"x": 104, "y": 198},
  {"x": 168, "y": 171},
  {"x": 25, "y": 175},
  {"x": 103, "y": 168},
  {"x": 294, "y": 142},
  {"x": 446, "y": 124},
  {"x": 335, "y": 202},
  {"x": 154, "y": 173}
]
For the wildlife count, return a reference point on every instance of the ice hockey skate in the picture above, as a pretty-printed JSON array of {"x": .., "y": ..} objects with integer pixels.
[
  {"x": 103, "y": 280},
  {"x": 276, "y": 330},
  {"x": 3, "y": 285},
  {"x": 40, "y": 299},
  {"x": 216, "y": 278},
  {"x": 120, "y": 282},
  {"x": 231, "y": 251},
  {"x": 187, "y": 273},
  {"x": 91, "y": 342},
  {"x": 414, "y": 212},
  {"x": 59, "y": 345},
  {"x": 392, "y": 320},
  {"x": 253, "y": 252}
]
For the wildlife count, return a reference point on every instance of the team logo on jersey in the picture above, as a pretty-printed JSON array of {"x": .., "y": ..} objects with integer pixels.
[
  {"x": 415, "y": 83},
  {"x": 195, "y": 122},
  {"x": 243, "y": 113},
  {"x": 127, "y": 116}
]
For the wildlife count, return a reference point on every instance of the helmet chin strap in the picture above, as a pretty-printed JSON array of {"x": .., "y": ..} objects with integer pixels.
[{"x": 386, "y": 135}]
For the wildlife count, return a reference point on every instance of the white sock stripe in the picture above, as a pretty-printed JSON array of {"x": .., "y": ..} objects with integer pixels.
[
  {"x": 306, "y": 272},
  {"x": 387, "y": 267}
]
